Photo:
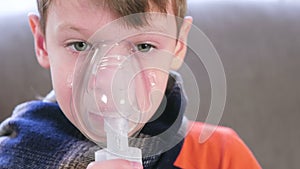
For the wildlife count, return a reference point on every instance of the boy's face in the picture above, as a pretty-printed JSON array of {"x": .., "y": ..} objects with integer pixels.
[{"x": 69, "y": 26}]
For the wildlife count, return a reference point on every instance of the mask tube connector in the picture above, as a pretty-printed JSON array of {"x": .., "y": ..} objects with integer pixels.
[{"x": 116, "y": 129}]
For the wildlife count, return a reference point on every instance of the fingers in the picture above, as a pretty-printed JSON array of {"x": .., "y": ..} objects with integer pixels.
[{"x": 115, "y": 164}]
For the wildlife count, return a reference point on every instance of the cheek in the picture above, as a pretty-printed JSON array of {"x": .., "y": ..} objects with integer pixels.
[
  {"x": 63, "y": 95},
  {"x": 61, "y": 67}
]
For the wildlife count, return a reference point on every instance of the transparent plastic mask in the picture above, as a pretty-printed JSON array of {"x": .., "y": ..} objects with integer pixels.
[{"x": 115, "y": 81}]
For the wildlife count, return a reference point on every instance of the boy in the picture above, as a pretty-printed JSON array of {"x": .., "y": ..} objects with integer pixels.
[{"x": 40, "y": 135}]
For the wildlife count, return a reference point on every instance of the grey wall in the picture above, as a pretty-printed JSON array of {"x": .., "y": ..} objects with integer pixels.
[{"x": 259, "y": 45}]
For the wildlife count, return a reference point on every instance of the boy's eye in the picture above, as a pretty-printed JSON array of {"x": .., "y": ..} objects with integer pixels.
[
  {"x": 145, "y": 47},
  {"x": 79, "y": 46}
]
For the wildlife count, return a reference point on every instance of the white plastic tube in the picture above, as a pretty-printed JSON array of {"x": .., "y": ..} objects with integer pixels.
[{"x": 117, "y": 142}]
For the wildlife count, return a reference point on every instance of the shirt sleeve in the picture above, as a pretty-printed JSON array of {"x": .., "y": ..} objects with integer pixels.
[
  {"x": 236, "y": 153},
  {"x": 223, "y": 149}
]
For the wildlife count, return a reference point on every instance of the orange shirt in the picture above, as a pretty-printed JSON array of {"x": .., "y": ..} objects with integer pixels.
[{"x": 223, "y": 150}]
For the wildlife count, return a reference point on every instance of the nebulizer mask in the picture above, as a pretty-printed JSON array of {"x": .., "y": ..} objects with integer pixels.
[{"x": 119, "y": 83}]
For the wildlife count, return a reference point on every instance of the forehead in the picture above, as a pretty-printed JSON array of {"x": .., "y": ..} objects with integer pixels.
[
  {"x": 77, "y": 14},
  {"x": 158, "y": 24},
  {"x": 92, "y": 15}
]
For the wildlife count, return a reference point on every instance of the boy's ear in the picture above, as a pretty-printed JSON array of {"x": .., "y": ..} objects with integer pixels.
[
  {"x": 181, "y": 45},
  {"x": 39, "y": 41}
]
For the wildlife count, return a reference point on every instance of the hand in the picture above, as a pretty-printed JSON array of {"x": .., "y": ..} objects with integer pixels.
[{"x": 115, "y": 164}]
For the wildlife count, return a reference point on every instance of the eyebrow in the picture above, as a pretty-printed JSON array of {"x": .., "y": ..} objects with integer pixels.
[{"x": 68, "y": 26}]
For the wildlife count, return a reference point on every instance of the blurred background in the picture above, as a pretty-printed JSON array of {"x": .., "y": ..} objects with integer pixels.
[{"x": 258, "y": 42}]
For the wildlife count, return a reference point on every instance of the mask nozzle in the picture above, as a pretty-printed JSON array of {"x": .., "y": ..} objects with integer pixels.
[{"x": 116, "y": 129}]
